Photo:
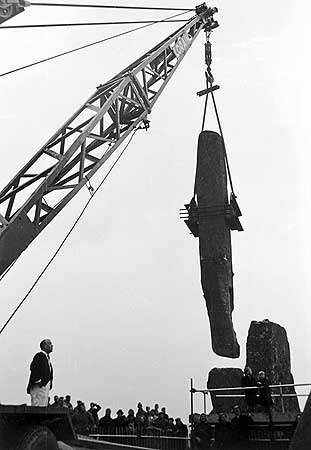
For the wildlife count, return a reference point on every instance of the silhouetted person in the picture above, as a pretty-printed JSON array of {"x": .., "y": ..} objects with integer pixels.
[
  {"x": 106, "y": 422},
  {"x": 151, "y": 418},
  {"x": 62, "y": 403},
  {"x": 79, "y": 403},
  {"x": 161, "y": 421},
  {"x": 223, "y": 433},
  {"x": 140, "y": 410},
  {"x": 156, "y": 409},
  {"x": 130, "y": 420},
  {"x": 170, "y": 430},
  {"x": 181, "y": 429},
  {"x": 120, "y": 421},
  {"x": 239, "y": 426},
  {"x": 163, "y": 410},
  {"x": 265, "y": 399},
  {"x": 94, "y": 409},
  {"x": 248, "y": 380},
  {"x": 203, "y": 433},
  {"x": 68, "y": 402},
  {"x": 82, "y": 420},
  {"x": 55, "y": 404},
  {"x": 140, "y": 425}
]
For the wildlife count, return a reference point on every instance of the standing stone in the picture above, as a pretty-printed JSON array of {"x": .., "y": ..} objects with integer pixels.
[
  {"x": 225, "y": 377},
  {"x": 215, "y": 243},
  {"x": 302, "y": 437},
  {"x": 267, "y": 349}
]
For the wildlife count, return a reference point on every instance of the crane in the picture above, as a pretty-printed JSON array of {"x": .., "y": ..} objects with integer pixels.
[
  {"x": 10, "y": 8},
  {"x": 84, "y": 143}
]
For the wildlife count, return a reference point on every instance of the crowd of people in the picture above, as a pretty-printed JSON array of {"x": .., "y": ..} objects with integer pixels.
[
  {"x": 143, "y": 421},
  {"x": 150, "y": 420},
  {"x": 231, "y": 429}
]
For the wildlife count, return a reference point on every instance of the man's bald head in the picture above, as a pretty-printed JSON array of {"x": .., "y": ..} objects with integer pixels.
[{"x": 46, "y": 345}]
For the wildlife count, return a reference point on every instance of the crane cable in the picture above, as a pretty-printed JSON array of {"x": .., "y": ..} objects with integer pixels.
[
  {"x": 79, "y": 24},
  {"x": 110, "y": 6},
  {"x": 209, "y": 86},
  {"x": 208, "y": 76},
  {"x": 94, "y": 191},
  {"x": 85, "y": 46}
]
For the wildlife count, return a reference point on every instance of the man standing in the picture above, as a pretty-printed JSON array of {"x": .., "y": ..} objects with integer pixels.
[
  {"x": 41, "y": 375},
  {"x": 265, "y": 399},
  {"x": 68, "y": 402},
  {"x": 248, "y": 380},
  {"x": 94, "y": 409}
]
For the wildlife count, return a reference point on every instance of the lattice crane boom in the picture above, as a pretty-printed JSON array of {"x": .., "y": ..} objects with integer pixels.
[
  {"x": 10, "y": 8},
  {"x": 56, "y": 173}
]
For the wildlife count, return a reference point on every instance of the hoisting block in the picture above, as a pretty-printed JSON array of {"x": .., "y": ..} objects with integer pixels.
[
  {"x": 208, "y": 90},
  {"x": 215, "y": 243}
]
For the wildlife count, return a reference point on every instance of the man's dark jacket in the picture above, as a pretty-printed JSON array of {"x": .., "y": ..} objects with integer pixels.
[{"x": 41, "y": 371}]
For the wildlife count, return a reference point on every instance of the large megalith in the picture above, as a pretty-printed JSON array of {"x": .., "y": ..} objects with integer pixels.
[
  {"x": 267, "y": 349},
  {"x": 215, "y": 243},
  {"x": 224, "y": 378},
  {"x": 302, "y": 437}
]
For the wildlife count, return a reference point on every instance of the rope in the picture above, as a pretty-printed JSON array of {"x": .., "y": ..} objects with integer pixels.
[
  {"x": 84, "y": 46},
  {"x": 110, "y": 6},
  {"x": 66, "y": 237},
  {"x": 48, "y": 25}
]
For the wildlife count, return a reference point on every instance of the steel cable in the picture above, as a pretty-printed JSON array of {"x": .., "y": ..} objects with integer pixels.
[
  {"x": 111, "y": 6},
  {"x": 49, "y": 25},
  {"x": 223, "y": 143},
  {"x": 66, "y": 237},
  {"x": 85, "y": 46}
]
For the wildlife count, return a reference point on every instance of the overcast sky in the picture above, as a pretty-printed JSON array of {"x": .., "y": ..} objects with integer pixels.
[{"x": 123, "y": 302}]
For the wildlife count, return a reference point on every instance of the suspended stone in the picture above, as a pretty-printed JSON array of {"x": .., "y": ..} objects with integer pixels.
[{"x": 213, "y": 212}]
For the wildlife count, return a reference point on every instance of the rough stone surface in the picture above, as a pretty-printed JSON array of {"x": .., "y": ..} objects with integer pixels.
[
  {"x": 215, "y": 243},
  {"x": 302, "y": 437},
  {"x": 225, "y": 377},
  {"x": 268, "y": 349}
]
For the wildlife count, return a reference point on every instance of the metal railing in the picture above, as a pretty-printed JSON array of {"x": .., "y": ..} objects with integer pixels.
[
  {"x": 150, "y": 438},
  {"x": 280, "y": 394},
  {"x": 252, "y": 431}
]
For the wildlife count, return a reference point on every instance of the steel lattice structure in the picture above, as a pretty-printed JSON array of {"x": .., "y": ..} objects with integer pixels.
[{"x": 89, "y": 137}]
